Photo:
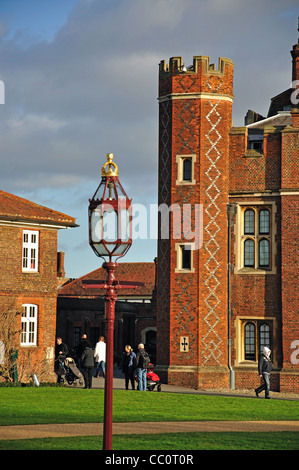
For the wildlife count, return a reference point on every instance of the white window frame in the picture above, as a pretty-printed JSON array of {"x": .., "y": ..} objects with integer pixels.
[
  {"x": 29, "y": 325},
  {"x": 179, "y": 247},
  {"x": 180, "y": 169},
  {"x": 30, "y": 251}
]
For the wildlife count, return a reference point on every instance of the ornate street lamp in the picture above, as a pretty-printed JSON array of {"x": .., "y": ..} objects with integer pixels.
[
  {"x": 110, "y": 237},
  {"x": 110, "y": 215}
]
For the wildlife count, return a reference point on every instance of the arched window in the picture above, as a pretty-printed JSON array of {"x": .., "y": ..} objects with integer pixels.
[
  {"x": 257, "y": 238},
  {"x": 256, "y": 334},
  {"x": 250, "y": 346},
  {"x": 249, "y": 222},
  {"x": 249, "y": 253},
  {"x": 264, "y": 253},
  {"x": 264, "y": 336},
  {"x": 187, "y": 170},
  {"x": 264, "y": 222}
]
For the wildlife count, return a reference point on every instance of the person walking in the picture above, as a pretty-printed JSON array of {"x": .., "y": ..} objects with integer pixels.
[
  {"x": 61, "y": 350},
  {"x": 60, "y": 356},
  {"x": 100, "y": 356},
  {"x": 87, "y": 365},
  {"x": 128, "y": 366},
  {"x": 264, "y": 367},
  {"x": 81, "y": 347},
  {"x": 142, "y": 363}
]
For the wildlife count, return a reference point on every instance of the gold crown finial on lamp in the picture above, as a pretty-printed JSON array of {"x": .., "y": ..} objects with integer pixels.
[{"x": 110, "y": 163}]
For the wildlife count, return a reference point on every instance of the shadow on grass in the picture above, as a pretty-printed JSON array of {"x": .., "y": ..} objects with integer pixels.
[{"x": 174, "y": 442}]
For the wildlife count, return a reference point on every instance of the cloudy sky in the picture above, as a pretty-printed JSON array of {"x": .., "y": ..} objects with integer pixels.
[{"x": 81, "y": 80}]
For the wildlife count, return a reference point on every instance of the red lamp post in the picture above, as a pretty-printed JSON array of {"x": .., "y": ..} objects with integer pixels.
[{"x": 110, "y": 237}]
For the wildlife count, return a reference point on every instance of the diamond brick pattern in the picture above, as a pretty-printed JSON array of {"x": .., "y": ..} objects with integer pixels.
[{"x": 212, "y": 340}]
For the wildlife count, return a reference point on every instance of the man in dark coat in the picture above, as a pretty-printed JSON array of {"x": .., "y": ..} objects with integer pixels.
[
  {"x": 128, "y": 366},
  {"x": 87, "y": 365},
  {"x": 142, "y": 363},
  {"x": 81, "y": 346},
  {"x": 61, "y": 350},
  {"x": 60, "y": 356}
]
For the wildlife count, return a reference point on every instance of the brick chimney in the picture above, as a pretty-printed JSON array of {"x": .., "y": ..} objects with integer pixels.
[
  {"x": 60, "y": 264},
  {"x": 295, "y": 56}
]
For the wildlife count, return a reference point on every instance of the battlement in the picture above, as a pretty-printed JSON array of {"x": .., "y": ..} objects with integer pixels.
[
  {"x": 200, "y": 77},
  {"x": 201, "y": 63}
]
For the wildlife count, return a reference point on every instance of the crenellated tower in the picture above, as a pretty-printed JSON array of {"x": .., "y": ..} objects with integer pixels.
[{"x": 195, "y": 116}]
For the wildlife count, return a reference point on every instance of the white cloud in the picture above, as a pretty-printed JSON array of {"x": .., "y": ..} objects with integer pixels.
[
  {"x": 158, "y": 13},
  {"x": 33, "y": 123}
]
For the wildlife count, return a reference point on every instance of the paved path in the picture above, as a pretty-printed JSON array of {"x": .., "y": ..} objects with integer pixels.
[
  {"x": 119, "y": 384},
  {"x": 95, "y": 429}
]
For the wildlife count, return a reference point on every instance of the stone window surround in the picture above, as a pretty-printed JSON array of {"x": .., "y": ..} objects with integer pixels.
[
  {"x": 240, "y": 322},
  {"x": 180, "y": 163},
  {"x": 178, "y": 249},
  {"x": 240, "y": 236}
]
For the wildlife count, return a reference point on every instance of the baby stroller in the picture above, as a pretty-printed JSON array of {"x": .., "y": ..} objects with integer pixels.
[
  {"x": 71, "y": 372},
  {"x": 153, "y": 380}
]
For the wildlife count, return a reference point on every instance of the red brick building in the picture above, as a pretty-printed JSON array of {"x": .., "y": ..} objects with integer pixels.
[
  {"x": 28, "y": 279},
  {"x": 227, "y": 281},
  {"x": 82, "y": 310}
]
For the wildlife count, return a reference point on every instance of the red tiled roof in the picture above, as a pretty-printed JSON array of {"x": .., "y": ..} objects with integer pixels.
[
  {"x": 133, "y": 272},
  {"x": 17, "y": 209}
]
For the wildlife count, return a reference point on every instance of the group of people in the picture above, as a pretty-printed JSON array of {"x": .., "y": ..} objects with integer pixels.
[
  {"x": 133, "y": 364},
  {"x": 92, "y": 363},
  {"x": 137, "y": 364},
  {"x": 88, "y": 360}
]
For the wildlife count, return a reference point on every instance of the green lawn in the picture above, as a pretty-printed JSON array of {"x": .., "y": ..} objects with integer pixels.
[{"x": 68, "y": 405}]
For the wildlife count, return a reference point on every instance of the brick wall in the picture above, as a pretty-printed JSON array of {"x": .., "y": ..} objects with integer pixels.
[
  {"x": 273, "y": 295},
  {"x": 17, "y": 288},
  {"x": 289, "y": 254},
  {"x": 254, "y": 173},
  {"x": 289, "y": 292},
  {"x": 195, "y": 117},
  {"x": 11, "y": 275}
]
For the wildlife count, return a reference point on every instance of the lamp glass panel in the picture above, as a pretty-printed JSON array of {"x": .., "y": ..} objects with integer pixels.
[
  {"x": 124, "y": 228},
  {"x": 110, "y": 225},
  {"x": 120, "y": 249},
  {"x": 120, "y": 192},
  {"x": 96, "y": 226},
  {"x": 100, "y": 190},
  {"x": 101, "y": 249}
]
